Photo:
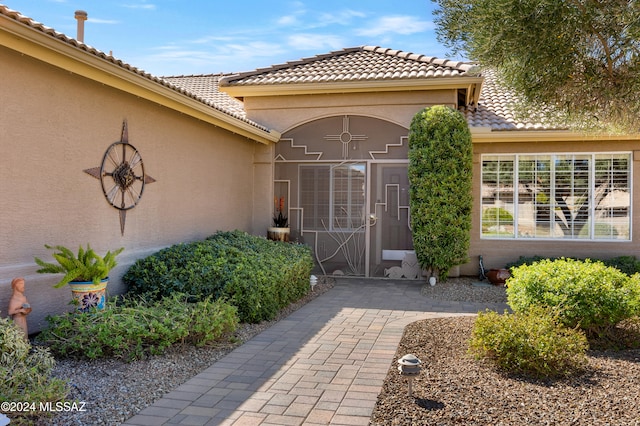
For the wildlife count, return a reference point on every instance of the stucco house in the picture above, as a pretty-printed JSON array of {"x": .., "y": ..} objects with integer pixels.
[{"x": 326, "y": 136}]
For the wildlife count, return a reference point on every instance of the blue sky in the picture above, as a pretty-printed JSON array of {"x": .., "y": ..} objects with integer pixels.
[{"x": 181, "y": 37}]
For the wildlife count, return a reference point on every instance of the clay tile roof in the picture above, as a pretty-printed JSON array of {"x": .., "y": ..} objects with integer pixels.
[
  {"x": 221, "y": 102},
  {"x": 206, "y": 87},
  {"x": 368, "y": 63},
  {"x": 497, "y": 109}
]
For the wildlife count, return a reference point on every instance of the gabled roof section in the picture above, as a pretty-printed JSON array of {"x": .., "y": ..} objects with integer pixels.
[
  {"x": 32, "y": 38},
  {"x": 367, "y": 68},
  {"x": 498, "y": 110},
  {"x": 206, "y": 87}
]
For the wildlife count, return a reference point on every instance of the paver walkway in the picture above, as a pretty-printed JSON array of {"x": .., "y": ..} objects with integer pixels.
[{"x": 323, "y": 364}]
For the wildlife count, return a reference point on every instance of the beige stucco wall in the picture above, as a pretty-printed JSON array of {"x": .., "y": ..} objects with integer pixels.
[
  {"x": 54, "y": 124},
  {"x": 286, "y": 112}
]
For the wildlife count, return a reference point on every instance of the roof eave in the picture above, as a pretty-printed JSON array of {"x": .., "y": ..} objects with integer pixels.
[
  {"x": 488, "y": 135},
  {"x": 361, "y": 86},
  {"x": 28, "y": 41}
]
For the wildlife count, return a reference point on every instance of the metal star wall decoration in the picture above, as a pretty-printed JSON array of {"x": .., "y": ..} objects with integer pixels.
[{"x": 122, "y": 175}]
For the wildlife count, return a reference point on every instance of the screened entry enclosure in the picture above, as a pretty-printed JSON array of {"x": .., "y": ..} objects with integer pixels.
[{"x": 345, "y": 188}]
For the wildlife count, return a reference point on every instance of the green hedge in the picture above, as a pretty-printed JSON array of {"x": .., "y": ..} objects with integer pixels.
[
  {"x": 256, "y": 275},
  {"x": 626, "y": 264},
  {"x": 440, "y": 179},
  {"x": 587, "y": 294}
]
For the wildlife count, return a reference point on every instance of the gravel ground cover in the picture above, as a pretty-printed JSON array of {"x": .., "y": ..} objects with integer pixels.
[
  {"x": 115, "y": 391},
  {"x": 453, "y": 389}
]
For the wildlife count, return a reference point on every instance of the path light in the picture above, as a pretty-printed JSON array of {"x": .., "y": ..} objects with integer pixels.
[
  {"x": 313, "y": 280},
  {"x": 409, "y": 365}
]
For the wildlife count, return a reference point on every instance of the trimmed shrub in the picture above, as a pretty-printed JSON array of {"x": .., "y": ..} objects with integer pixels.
[
  {"x": 256, "y": 275},
  {"x": 626, "y": 264},
  {"x": 440, "y": 198},
  {"x": 530, "y": 343},
  {"x": 25, "y": 372},
  {"x": 526, "y": 260},
  {"x": 586, "y": 294},
  {"x": 135, "y": 330}
]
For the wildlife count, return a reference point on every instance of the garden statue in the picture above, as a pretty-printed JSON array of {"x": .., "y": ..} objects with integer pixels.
[{"x": 19, "y": 307}]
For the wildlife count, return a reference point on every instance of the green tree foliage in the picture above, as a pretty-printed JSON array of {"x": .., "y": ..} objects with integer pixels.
[
  {"x": 582, "y": 56},
  {"x": 440, "y": 171}
]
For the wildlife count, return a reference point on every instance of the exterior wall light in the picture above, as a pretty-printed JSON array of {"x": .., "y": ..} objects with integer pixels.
[{"x": 409, "y": 365}]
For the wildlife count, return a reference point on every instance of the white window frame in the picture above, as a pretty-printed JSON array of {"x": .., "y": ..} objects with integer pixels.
[{"x": 504, "y": 228}]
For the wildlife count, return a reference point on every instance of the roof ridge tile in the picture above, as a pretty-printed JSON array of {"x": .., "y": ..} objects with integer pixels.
[{"x": 372, "y": 61}]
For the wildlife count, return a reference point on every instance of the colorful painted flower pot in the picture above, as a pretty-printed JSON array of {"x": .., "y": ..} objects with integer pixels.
[{"x": 89, "y": 295}]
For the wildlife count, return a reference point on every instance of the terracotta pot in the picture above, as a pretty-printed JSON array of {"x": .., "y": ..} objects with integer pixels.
[
  {"x": 89, "y": 295},
  {"x": 278, "y": 234},
  {"x": 498, "y": 276}
]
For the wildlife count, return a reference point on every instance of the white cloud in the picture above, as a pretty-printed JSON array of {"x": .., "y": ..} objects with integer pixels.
[
  {"x": 287, "y": 21},
  {"x": 249, "y": 49},
  {"x": 211, "y": 39},
  {"x": 316, "y": 42},
  {"x": 212, "y": 58},
  {"x": 295, "y": 11},
  {"x": 404, "y": 25},
  {"x": 344, "y": 17},
  {"x": 143, "y": 5},
  {"x": 103, "y": 21},
  {"x": 314, "y": 19}
]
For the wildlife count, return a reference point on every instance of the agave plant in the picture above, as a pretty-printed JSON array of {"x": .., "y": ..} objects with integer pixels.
[{"x": 87, "y": 265}]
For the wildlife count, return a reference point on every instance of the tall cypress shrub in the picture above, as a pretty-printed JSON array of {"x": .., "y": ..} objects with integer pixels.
[{"x": 440, "y": 173}]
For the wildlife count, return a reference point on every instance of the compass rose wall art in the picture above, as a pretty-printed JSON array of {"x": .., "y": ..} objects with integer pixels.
[{"x": 122, "y": 175}]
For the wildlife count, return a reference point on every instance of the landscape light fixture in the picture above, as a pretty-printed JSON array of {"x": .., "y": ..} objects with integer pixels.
[{"x": 409, "y": 365}]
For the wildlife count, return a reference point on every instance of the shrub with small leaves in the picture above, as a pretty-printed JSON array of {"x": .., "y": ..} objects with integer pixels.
[
  {"x": 25, "y": 372},
  {"x": 627, "y": 264},
  {"x": 440, "y": 179},
  {"x": 586, "y": 294},
  {"x": 526, "y": 260},
  {"x": 256, "y": 275},
  {"x": 134, "y": 329},
  {"x": 530, "y": 343}
]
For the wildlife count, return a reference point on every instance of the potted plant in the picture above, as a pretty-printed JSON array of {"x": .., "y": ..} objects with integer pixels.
[
  {"x": 87, "y": 273},
  {"x": 280, "y": 231}
]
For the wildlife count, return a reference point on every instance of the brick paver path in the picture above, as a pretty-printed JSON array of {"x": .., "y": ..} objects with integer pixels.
[{"x": 324, "y": 364}]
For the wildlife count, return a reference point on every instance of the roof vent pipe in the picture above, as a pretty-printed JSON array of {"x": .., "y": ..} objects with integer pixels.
[{"x": 81, "y": 16}]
